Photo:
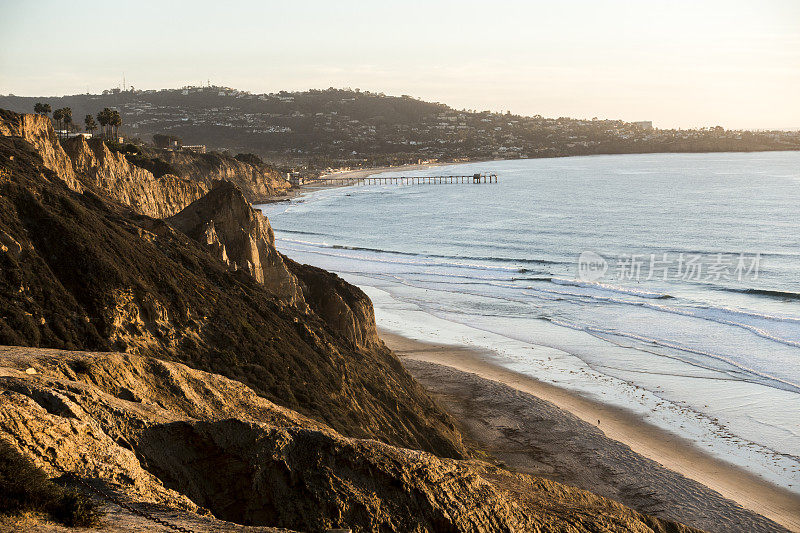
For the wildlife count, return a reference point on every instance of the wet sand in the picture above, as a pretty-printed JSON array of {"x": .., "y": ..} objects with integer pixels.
[{"x": 541, "y": 429}]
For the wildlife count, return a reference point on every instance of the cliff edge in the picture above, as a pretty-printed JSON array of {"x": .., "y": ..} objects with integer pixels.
[
  {"x": 38, "y": 130},
  {"x": 112, "y": 173},
  {"x": 240, "y": 237},
  {"x": 257, "y": 180},
  {"x": 162, "y": 433},
  {"x": 83, "y": 272},
  {"x": 82, "y": 162}
]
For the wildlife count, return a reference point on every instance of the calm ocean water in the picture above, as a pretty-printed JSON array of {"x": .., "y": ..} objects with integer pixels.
[{"x": 684, "y": 307}]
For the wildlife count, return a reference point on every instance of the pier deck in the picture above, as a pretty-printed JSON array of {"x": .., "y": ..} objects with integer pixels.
[{"x": 408, "y": 180}]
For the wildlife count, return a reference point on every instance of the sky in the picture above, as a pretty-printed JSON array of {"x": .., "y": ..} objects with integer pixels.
[{"x": 678, "y": 63}]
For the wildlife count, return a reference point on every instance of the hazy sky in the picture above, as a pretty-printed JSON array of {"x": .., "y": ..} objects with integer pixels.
[{"x": 678, "y": 63}]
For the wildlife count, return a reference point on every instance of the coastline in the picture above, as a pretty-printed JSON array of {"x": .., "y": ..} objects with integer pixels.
[
  {"x": 323, "y": 182},
  {"x": 674, "y": 452},
  {"x": 364, "y": 172},
  {"x": 667, "y": 449}
]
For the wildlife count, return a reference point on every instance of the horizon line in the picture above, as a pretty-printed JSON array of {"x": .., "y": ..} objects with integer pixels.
[{"x": 133, "y": 89}]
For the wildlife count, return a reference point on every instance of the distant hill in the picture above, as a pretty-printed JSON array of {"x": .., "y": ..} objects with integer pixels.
[{"x": 345, "y": 127}]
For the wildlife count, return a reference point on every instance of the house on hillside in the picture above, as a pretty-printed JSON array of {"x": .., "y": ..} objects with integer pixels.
[{"x": 295, "y": 179}]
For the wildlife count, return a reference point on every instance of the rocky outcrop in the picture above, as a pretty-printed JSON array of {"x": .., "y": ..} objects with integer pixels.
[
  {"x": 129, "y": 184},
  {"x": 38, "y": 130},
  {"x": 256, "y": 180},
  {"x": 81, "y": 163},
  {"x": 343, "y": 306},
  {"x": 240, "y": 236},
  {"x": 265, "y": 444},
  {"x": 81, "y": 272},
  {"x": 162, "y": 432}
]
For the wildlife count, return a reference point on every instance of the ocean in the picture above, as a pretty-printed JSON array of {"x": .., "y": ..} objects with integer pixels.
[{"x": 667, "y": 284}]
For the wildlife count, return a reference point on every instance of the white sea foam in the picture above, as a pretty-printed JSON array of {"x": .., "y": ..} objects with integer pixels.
[
  {"x": 606, "y": 287},
  {"x": 717, "y": 362}
]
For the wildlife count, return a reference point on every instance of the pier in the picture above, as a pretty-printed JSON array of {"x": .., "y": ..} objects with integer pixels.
[{"x": 407, "y": 180}]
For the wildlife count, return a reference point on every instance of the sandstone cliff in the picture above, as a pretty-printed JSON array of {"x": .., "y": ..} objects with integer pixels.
[
  {"x": 257, "y": 180},
  {"x": 81, "y": 162},
  {"x": 80, "y": 271},
  {"x": 345, "y": 307},
  {"x": 239, "y": 236},
  {"x": 38, "y": 130},
  {"x": 136, "y": 187},
  {"x": 84, "y": 273},
  {"x": 163, "y": 432}
]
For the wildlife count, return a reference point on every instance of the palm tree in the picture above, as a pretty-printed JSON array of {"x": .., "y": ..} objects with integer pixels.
[
  {"x": 67, "y": 117},
  {"x": 41, "y": 109},
  {"x": 116, "y": 122},
  {"x": 90, "y": 124},
  {"x": 104, "y": 117},
  {"x": 58, "y": 116}
]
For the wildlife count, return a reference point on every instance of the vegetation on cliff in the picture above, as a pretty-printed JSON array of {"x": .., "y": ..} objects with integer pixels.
[
  {"x": 341, "y": 127},
  {"x": 164, "y": 433},
  {"x": 285, "y": 382},
  {"x": 26, "y": 488},
  {"x": 80, "y": 272}
]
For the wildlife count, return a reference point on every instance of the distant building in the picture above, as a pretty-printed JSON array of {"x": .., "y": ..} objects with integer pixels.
[
  {"x": 65, "y": 134},
  {"x": 644, "y": 124},
  {"x": 168, "y": 142},
  {"x": 295, "y": 179},
  {"x": 196, "y": 148}
]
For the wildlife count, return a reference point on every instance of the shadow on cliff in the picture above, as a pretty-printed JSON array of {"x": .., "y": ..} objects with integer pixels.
[{"x": 80, "y": 271}]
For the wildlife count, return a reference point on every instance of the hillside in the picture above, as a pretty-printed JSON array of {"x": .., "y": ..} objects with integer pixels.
[
  {"x": 206, "y": 378},
  {"x": 356, "y": 128},
  {"x": 153, "y": 182},
  {"x": 193, "y": 448},
  {"x": 79, "y": 271}
]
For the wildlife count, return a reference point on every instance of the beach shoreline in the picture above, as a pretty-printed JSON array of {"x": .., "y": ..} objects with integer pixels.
[
  {"x": 323, "y": 182},
  {"x": 679, "y": 455},
  {"x": 364, "y": 172}
]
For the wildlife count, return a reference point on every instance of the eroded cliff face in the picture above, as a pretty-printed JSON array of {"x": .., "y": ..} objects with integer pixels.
[
  {"x": 131, "y": 185},
  {"x": 343, "y": 306},
  {"x": 242, "y": 238},
  {"x": 239, "y": 236},
  {"x": 80, "y": 272},
  {"x": 256, "y": 181},
  {"x": 162, "y": 432},
  {"x": 38, "y": 130},
  {"x": 81, "y": 163}
]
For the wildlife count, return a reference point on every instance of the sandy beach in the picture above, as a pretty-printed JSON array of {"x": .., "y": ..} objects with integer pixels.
[
  {"x": 323, "y": 181},
  {"x": 364, "y": 172},
  {"x": 540, "y": 429}
]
